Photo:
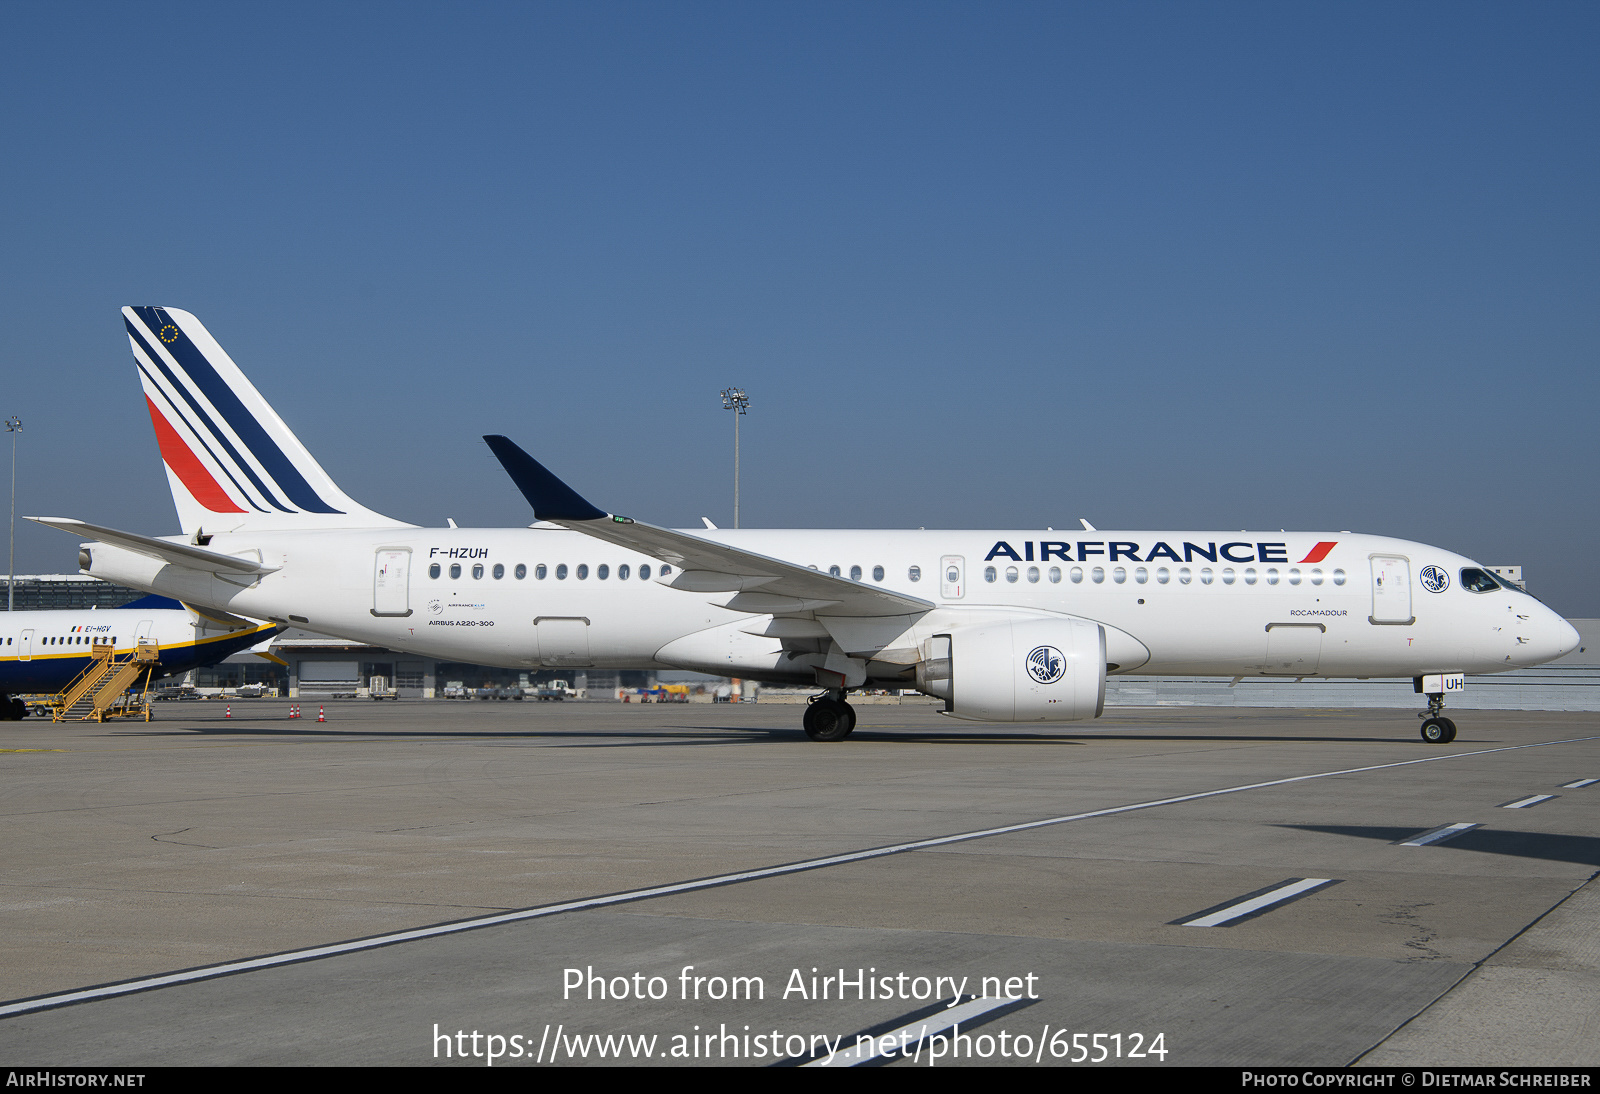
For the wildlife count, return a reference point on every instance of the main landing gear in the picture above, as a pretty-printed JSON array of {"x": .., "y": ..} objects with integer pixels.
[
  {"x": 1436, "y": 728},
  {"x": 829, "y": 717}
]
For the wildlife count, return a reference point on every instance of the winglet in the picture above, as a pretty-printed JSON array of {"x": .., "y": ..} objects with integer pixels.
[{"x": 551, "y": 498}]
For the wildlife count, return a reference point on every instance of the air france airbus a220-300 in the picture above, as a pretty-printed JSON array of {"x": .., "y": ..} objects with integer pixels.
[{"x": 1004, "y": 626}]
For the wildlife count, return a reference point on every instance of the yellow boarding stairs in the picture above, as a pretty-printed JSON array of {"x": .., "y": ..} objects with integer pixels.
[{"x": 102, "y": 690}]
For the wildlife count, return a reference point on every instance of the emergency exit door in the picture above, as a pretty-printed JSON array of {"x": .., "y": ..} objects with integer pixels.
[{"x": 952, "y": 577}]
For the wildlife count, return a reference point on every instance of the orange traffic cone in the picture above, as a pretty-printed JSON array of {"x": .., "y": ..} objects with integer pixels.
[
  {"x": 227, "y": 711},
  {"x": 321, "y": 717}
]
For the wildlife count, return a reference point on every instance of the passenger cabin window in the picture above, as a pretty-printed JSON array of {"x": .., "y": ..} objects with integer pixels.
[
  {"x": 521, "y": 570},
  {"x": 539, "y": 572},
  {"x": 915, "y": 573},
  {"x": 433, "y": 571},
  {"x": 1011, "y": 574},
  {"x": 561, "y": 572},
  {"x": 855, "y": 573},
  {"x": 602, "y": 571},
  {"x": 455, "y": 570},
  {"x": 583, "y": 571},
  {"x": 833, "y": 570},
  {"x": 990, "y": 574},
  {"x": 622, "y": 572},
  {"x": 499, "y": 571},
  {"x": 1055, "y": 575},
  {"x": 644, "y": 572},
  {"x": 477, "y": 571},
  {"x": 877, "y": 573}
]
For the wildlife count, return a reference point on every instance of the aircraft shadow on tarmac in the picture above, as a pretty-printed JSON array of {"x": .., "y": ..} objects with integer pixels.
[
  {"x": 1584, "y": 850},
  {"x": 655, "y": 736}
]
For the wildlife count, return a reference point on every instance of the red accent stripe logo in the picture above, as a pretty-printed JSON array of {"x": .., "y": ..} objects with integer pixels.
[
  {"x": 187, "y": 466},
  {"x": 1319, "y": 552}
]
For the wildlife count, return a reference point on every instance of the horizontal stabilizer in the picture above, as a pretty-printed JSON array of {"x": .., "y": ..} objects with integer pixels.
[{"x": 178, "y": 554}]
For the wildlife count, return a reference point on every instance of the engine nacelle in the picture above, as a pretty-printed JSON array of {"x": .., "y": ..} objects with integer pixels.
[{"x": 1026, "y": 670}]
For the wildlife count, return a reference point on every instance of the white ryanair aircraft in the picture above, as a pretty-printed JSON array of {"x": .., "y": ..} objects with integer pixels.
[{"x": 1006, "y": 626}]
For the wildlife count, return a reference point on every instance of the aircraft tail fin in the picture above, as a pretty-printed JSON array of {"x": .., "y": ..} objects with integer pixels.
[{"x": 232, "y": 463}]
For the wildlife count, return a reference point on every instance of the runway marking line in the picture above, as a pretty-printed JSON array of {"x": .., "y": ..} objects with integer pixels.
[
  {"x": 373, "y": 942},
  {"x": 1529, "y": 802},
  {"x": 1257, "y": 903},
  {"x": 1580, "y": 784},
  {"x": 1437, "y": 835}
]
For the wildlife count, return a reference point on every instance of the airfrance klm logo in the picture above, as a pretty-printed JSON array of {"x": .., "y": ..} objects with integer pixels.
[{"x": 1120, "y": 550}]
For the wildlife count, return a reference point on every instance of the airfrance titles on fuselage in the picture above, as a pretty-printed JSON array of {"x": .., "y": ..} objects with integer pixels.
[{"x": 1120, "y": 550}]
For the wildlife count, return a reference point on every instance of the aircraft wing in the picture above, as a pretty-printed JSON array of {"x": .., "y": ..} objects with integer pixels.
[
  {"x": 763, "y": 585},
  {"x": 178, "y": 554}
]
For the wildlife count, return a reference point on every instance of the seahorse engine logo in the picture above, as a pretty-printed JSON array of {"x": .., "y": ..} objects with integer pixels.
[{"x": 1046, "y": 664}]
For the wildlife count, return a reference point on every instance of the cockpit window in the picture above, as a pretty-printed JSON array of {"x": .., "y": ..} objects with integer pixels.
[{"x": 1475, "y": 580}]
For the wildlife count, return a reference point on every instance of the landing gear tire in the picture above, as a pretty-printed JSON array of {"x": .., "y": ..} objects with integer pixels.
[
  {"x": 1438, "y": 731},
  {"x": 1436, "y": 728},
  {"x": 829, "y": 720}
]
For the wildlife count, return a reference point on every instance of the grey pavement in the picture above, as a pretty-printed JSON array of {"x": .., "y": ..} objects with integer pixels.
[{"x": 135, "y": 850}]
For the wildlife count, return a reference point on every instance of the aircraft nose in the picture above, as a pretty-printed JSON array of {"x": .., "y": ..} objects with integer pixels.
[
  {"x": 1565, "y": 637},
  {"x": 1553, "y": 637}
]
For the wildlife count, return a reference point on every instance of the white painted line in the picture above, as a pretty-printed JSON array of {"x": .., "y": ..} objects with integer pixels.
[
  {"x": 1253, "y": 904},
  {"x": 1580, "y": 784},
  {"x": 1438, "y": 835},
  {"x": 1524, "y": 803},
  {"x": 293, "y": 957},
  {"x": 889, "y": 1043}
]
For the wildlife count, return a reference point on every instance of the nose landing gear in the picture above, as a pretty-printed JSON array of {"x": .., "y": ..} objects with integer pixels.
[
  {"x": 829, "y": 717},
  {"x": 1436, "y": 728}
]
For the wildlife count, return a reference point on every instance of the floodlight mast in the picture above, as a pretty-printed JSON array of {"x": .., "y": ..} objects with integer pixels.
[
  {"x": 13, "y": 427},
  {"x": 734, "y": 399}
]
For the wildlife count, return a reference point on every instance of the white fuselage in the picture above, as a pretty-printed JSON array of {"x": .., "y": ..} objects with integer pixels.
[{"x": 1181, "y": 603}]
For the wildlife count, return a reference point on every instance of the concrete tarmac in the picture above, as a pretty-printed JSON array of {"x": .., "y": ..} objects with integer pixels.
[{"x": 136, "y": 850}]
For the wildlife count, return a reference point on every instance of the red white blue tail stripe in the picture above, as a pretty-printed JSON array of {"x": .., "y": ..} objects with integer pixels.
[{"x": 231, "y": 461}]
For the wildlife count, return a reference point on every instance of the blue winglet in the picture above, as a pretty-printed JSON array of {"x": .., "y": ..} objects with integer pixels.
[{"x": 551, "y": 498}]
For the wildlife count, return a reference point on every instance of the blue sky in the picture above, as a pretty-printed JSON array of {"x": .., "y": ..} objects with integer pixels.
[{"x": 977, "y": 265}]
